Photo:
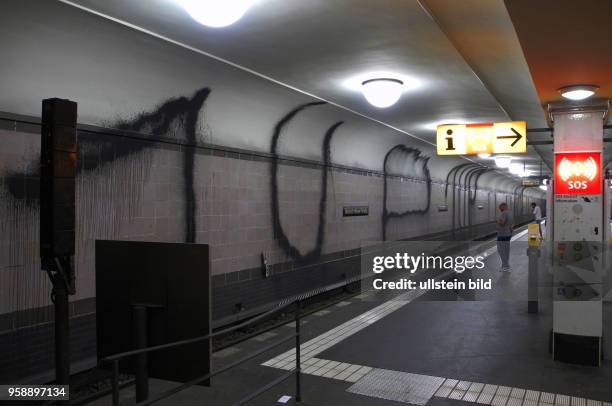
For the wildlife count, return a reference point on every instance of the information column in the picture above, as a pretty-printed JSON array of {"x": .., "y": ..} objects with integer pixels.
[{"x": 578, "y": 236}]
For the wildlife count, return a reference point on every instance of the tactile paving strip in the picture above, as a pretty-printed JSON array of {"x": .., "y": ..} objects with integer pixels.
[
  {"x": 398, "y": 386},
  {"x": 446, "y": 388},
  {"x": 494, "y": 395},
  {"x": 459, "y": 391},
  {"x": 487, "y": 394},
  {"x": 332, "y": 337},
  {"x": 475, "y": 392},
  {"x": 326, "y": 340}
]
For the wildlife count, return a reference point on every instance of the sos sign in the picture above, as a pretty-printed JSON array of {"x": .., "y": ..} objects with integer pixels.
[{"x": 578, "y": 173}]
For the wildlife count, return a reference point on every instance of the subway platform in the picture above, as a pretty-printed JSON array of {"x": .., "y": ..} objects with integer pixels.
[
  {"x": 239, "y": 191},
  {"x": 420, "y": 348}
]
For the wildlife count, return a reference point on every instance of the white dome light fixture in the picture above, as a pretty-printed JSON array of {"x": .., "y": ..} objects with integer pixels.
[
  {"x": 503, "y": 161},
  {"x": 578, "y": 92},
  {"x": 519, "y": 169},
  {"x": 382, "y": 92},
  {"x": 216, "y": 13},
  {"x": 516, "y": 168},
  {"x": 484, "y": 155}
]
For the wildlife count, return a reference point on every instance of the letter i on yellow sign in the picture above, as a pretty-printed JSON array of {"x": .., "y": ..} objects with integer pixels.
[{"x": 451, "y": 139}]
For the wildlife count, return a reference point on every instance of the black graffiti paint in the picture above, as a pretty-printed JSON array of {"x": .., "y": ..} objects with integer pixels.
[
  {"x": 159, "y": 122},
  {"x": 417, "y": 164},
  {"x": 472, "y": 193},
  {"x": 279, "y": 232},
  {"x": 24, "y": 186},
  {"x": 453, "y": 173},
  {"x": 99, "y": 151},
  {"x": 463, "y": 205}
]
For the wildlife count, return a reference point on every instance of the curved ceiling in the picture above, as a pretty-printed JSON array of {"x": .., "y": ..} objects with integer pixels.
[
  {"x": 466, "y": 59},
  {"x": 565, "y": 42}
]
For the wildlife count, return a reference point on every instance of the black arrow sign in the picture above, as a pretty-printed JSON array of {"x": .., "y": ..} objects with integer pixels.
[{"x": 517, "y": 137}]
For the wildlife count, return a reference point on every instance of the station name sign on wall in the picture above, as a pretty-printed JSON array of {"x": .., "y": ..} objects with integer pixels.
[
  {"x": 578, "y": 173},
  {"x": 483, "y": 138},
  {"x": 531, "y": 182},
  {"x": 353, "y": 211}
]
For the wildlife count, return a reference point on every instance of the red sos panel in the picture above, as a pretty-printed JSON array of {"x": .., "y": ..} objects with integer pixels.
[{"x": 578, "y": 173}]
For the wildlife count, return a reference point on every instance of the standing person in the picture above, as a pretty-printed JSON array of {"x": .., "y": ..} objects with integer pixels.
[
  {"x": 537, "y": 216},
  {"x": 505, "y": 223}
]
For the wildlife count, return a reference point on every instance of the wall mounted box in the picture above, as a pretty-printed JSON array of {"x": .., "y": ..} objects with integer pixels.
[{"x": 443, "y": 207}]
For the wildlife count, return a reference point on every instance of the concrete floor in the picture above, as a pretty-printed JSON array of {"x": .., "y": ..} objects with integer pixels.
[{"x": 478, "y": 338}]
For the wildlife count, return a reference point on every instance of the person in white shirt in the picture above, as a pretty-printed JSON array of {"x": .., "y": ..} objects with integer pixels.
[{"x": 537, "y": 216}]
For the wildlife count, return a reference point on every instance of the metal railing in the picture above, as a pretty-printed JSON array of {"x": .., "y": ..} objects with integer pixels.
[{"x": 141, "y": 368}]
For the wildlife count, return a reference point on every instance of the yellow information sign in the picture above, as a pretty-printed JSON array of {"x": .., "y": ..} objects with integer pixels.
[{"x": 490, "y": 138}]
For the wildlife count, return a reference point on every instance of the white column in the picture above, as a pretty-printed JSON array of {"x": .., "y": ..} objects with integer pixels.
[{"x": 578, "y": 232}]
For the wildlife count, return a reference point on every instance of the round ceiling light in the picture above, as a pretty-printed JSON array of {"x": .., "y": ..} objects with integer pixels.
[
  {"x": 382, "y": 92},
  {"x": 519, "y": 169},
  {"x": 216, "y": 13},
  {"x": 484, "y": 155},
  {"x": 503, "y": 161},
  {"x": 516, "y": 168},
  {"x": 578, "y": 92}
]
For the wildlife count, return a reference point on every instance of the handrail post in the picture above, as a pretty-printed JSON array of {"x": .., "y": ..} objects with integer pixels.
[
  {"x": 298, "y": 367},
  {"x": 115, "y": 382},
  {"x": 140, "y": 341}
]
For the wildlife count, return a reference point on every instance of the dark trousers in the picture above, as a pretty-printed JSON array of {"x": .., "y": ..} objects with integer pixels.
[{"x": 503, "y": 249}]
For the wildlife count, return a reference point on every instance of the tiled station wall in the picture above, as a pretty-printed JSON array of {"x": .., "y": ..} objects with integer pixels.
[{"x": 139, "y": 196}]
